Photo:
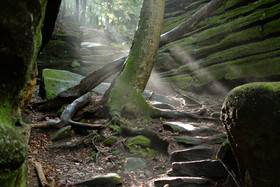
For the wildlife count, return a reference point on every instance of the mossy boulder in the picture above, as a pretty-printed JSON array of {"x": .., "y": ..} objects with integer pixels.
[
  {"x": 13, "y": 150},
  {"x": 140, "y": 140},
  {"x": 140, "y": 146},
  {"x": 108, "y": 142},
  {"x": 21, "y": 25},
  {"x": 251, "y": 116},
  {"x": 56, "y": 81}
]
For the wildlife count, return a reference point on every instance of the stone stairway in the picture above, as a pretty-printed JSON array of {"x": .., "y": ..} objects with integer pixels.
[{"x": 197, "y": 165}]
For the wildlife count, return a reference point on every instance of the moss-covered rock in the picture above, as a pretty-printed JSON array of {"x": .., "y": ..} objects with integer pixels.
[
  {"x": 140, "y": 140},
  {"x": 110, "y": 179},
  {"x": 108, "y": 142},
  {"x": 251, "y": 116},
  {"x": 63, "y": 47},
  {"x": 236, "y": 44},
  {"x": 140, "y": 146},
  {"x": 21, "y": 25},
  {"x": 56, "y": 81}
]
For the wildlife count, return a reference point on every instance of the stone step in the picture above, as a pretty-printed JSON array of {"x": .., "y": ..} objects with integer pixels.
[
  {"x": 212, "y": 169},
  {"x": 192, "y": 154},
  {"x": 198, "y": 140},
  {"x": 190, "y": 128},
  {"x": 182, "y": 181}
]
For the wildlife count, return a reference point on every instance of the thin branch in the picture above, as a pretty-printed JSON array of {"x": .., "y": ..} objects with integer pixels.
[
  {"x": 75, "y": 144},
  {"x": 41, "y": 174},
  {"x": 236, "y": 183}
]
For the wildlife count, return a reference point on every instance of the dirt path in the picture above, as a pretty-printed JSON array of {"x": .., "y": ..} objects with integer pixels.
[{"x": 66, "y": 166}]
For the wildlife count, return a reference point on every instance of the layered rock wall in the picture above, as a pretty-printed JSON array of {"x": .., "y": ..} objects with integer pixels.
[{"x": 238, "y": 43}]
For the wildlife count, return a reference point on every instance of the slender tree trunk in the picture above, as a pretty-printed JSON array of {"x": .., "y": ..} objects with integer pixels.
[
  {"x": 125, "y": 98},
  {"x": 63, "y": 9},
  {"x": 83, "y": 13},
  {"x": 77, "y": 10},
  {"x": 90, "y": 16}
]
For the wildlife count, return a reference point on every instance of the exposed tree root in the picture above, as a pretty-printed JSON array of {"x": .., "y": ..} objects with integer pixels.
[
  {"x": 67, "y": 115},
  {"x": 97, "y": 149},
  {"x": 76, "y": 144},
  {"x": 173, "y": 114},
  {"x": 41, "y": 174}
]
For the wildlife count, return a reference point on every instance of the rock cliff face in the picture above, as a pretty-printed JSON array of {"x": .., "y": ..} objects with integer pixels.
[
  {"x": 20, "y": 25},
  {"x": 238, "y": 43}
]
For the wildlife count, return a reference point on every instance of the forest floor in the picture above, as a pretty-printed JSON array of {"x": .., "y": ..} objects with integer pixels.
[{"x": 66, "y": 166}]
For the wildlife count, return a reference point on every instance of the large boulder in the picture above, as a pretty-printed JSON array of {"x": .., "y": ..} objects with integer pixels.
[
  {"x": 20, "y": 25},
  {"x": 251, "y": 116},
  {"x": 56, "y": 81}
]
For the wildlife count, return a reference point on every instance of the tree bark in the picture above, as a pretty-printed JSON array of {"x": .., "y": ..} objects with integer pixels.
[
  {"x": 77, "y": 10},
  {"x": 125, "y": 97},
  {"x": 96, "y": 77}
]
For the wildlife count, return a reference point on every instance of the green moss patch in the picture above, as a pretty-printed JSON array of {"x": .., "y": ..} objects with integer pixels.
[
  {"x": 108, "y": 142},
  {"x": 56, "y": 81},
  {"x": 140, "y": 146},
  {"x": 140, "y": 140}
]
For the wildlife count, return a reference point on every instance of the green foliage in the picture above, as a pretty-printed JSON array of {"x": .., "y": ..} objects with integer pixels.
[
  {"x": 115, "y": 128},
  {"x": 119, "y": 16},
  {"x": 110, "y": 141}
]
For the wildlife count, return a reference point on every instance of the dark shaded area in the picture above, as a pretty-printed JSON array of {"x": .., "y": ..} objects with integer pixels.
[
  {"x": 252, "y": 124},
  {"x": 49, "y": 22}
]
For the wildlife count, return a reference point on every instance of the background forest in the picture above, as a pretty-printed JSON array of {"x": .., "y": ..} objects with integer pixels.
[{"x": 113, "y": 16}]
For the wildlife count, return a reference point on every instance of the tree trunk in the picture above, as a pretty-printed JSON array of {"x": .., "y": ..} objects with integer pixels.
[
  {"x": 77, "y": 10},
  {"x": 125, "y": 97},
  {"x": 63, "y": 9},
  {"x": 83, "y": 13}
]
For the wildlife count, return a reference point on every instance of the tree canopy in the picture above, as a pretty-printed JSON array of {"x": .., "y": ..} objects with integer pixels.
[{"x": 115, "y": 16}]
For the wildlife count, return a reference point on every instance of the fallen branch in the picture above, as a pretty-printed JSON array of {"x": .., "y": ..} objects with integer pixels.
[
  {"x": 87, "y": 84},
  {"x": 68, "y": 113},
  {"x": 41, "y": 174},
  {"x": 75, "y": 144},
  {"x": 96, "y": 77}
]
